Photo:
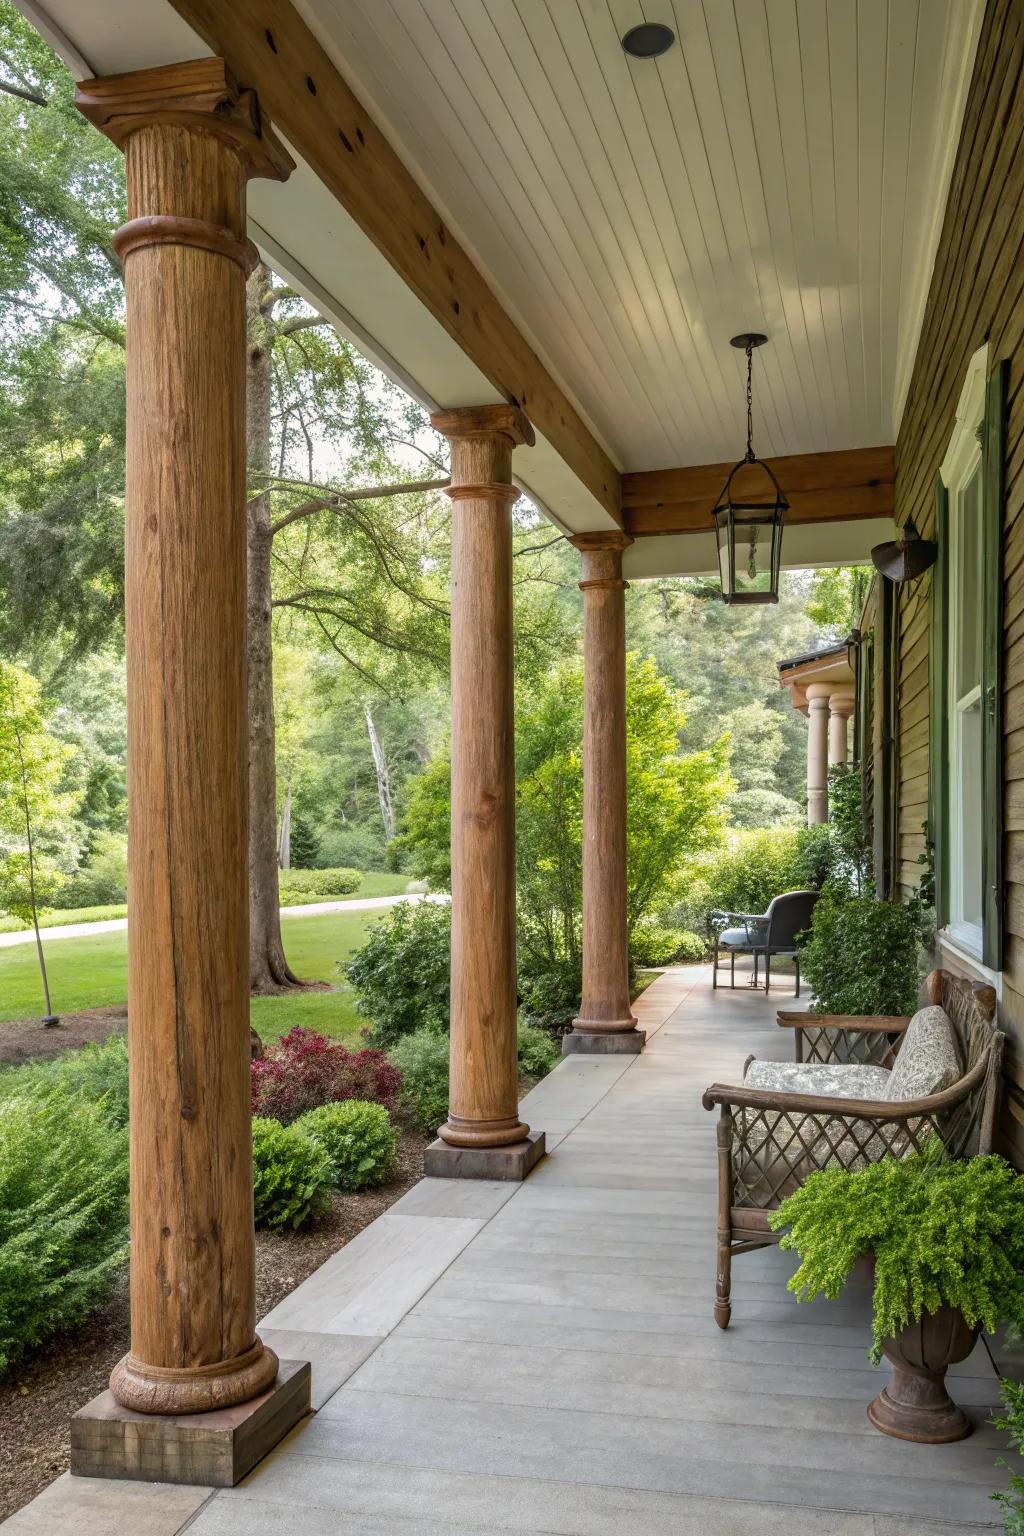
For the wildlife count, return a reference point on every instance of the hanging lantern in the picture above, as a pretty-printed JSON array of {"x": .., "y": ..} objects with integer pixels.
[{"x": 748, "y": 531}]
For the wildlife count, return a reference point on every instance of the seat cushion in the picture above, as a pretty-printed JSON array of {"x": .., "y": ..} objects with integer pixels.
[
  {"x": 834, "y": 1081},
  {"x": 928, "y": 1060},
  {"x": 736, "y": 938}
]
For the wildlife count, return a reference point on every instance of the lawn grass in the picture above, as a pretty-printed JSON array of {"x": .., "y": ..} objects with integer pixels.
[
  {"x": 374, "y": 883},
  {"x": 91, "y": 972}
]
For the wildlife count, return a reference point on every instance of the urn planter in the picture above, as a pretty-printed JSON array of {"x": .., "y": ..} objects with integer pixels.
[{"x": 915, "y": 1405}]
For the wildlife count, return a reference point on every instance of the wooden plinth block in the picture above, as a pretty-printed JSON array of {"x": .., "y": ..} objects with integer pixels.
[
  {"x": 624, "y": 1042},
  {"x": 214, "y": 1450},
  {"x": 443, "y": 1161}
]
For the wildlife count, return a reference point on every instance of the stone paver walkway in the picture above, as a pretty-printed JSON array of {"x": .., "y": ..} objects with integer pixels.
[{"x": 542, "y": 1358}]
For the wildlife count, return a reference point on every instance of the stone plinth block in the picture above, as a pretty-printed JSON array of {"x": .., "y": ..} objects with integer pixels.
[
  {"x": 214, "y": 1450},
  {"x": 442, "y": 1161},
  {"x": 625, "y": 1042}
]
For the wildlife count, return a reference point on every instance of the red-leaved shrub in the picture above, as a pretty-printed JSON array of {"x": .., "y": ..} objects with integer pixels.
[{"x": 304, "y": 1070}]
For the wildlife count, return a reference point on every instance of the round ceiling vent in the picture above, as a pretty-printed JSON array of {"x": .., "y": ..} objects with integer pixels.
[{"x": 649, "y": 40}]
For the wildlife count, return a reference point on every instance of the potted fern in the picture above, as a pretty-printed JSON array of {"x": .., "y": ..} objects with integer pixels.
[{"x": 947, "y": 1239}]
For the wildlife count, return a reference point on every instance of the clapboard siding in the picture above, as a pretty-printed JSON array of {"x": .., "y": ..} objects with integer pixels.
[{"x": 976, "y": 294}]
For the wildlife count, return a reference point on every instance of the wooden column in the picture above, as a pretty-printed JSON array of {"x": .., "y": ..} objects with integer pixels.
[
  {"x": 840, "y": 708},
  {"x": 483, "y": 1136},
  {"x": 191, "y": 140},
  {"x": 606, "y": 1023},
  {"x": 817, "y": 752}
]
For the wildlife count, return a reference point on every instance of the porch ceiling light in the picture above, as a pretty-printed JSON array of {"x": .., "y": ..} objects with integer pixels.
[
  {"x": 749, "y": 533},
  {"x": 649, "y": 40},
  {"x": 904, "y": 558}
]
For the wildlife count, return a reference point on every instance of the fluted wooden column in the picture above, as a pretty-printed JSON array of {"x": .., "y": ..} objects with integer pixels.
[
  {"x": 840, "y": 708},
  {"x": 817, "y": 752},
  {"x": 483, "y": 1136},
  {"x": 606, "y": 1022},
  {"x": 191, "y": 140}
]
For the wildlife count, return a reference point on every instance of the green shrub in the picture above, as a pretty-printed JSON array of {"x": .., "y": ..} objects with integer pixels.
[
  {"x": 402, "y": 973},
  {"x": 422, "y": 1059},
  {"x": 291, "y": 1175},
  {"x": 537, "y": 1051},
  {"x": 63, "y": 1214},
  {"x": 358, "y": 1138},
  {"x": 301, "y": 886},
  {"x": 943, "y": 1233},
  {"x": 103, "y": 879},
  {"x": 862, "y": 955},
  {"x": 96, "y": 1074},
  {"x": 550, "y": 991},
  {"x": 354, "y": 845},
  {"x": 654, "y": 943},
  {"x": 1012, "y": 1424}
]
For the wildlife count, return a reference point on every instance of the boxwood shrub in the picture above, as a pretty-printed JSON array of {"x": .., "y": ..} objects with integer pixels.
[
  {"x": 291, "y": 1175},
  {"x": 358, "y": 1138}
]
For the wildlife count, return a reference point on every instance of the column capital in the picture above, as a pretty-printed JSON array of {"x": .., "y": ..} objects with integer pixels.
[
  {"x": 201, "y": 94},
  {"x": 818, "y": 694},
  {"x": 601, "y": 539},
  {"x": 602, "y": 558},
  {"x": 841, "y": 703},
  {"x": 485, "y": 421}
]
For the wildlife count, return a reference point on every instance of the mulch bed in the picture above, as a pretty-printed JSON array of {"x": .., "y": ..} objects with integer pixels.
[
  {"x": 31, "y": 1040},
  {"x": 36, "y": 1404}
]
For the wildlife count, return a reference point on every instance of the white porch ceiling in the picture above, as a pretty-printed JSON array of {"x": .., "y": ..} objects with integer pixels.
[{"x": 783, "y": 168}]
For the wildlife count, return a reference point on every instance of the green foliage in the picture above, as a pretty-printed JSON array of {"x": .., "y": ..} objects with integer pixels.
[
  {"x": 861, "y": 957},
  {"x": 427, "y": 823},
  {"x": 402, "y": 972},
  {"x": 304, "y": 845},
  {"x": 103, "y": 880},
  {"x": 358, "y": 1138},
  {"x": 838, "y": 596},
  {"x": 550, "y": 991},
  {"x": 656, "y": 944},
  {"x": 301, "y": 886},
  {"x": 743, "y": 875},
  {"x": 291, "y": 1175},
  {"x": 95, "y": 1075},
  {"x": 537, "y": 1052},
  {"x": 943, "y": 1233},
  {"x": 63, "y": 1214},
  {"x": 1012, "y": 1423},
  {"x": 849, "y": 841},
  {"x": 422, "y": 1059}
]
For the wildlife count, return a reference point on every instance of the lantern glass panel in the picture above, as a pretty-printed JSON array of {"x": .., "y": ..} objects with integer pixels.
[{"x": 749, "y": 551}]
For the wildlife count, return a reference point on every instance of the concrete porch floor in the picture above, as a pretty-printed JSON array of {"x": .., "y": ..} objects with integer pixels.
[{"x": 542, "y": 1358}]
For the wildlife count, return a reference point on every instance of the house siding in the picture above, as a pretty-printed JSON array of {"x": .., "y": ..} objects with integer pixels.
[{"x": 976, "y": 295}]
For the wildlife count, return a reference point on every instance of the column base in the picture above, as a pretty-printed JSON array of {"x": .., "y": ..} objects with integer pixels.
[
  {"x": 443, "y": 1161},
  {"x": 215, "y": 1449},
  {"x": 622, "y": 1042}
]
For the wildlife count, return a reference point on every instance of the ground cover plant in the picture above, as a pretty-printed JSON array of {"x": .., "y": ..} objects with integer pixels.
[{"x": 943, "y": 1232}]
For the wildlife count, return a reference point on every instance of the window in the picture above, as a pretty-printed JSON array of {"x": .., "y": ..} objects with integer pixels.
[{"x": 966, "y": 729}]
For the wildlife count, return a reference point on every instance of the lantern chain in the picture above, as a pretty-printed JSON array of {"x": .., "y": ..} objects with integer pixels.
[{"x": 750, "y": 403}]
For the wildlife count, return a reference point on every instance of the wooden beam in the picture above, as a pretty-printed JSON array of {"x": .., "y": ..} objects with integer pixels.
[
  {"x": 843, "y": 486},
  {"x": 270, "y": 48}
]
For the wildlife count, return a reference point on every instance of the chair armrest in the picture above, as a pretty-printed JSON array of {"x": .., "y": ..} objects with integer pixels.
[
  {"x": 888, "y": 1023},
  {"x": 814, "y": 1104}
]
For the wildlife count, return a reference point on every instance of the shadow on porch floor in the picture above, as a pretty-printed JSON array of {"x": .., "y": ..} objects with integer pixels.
[{"x": 542, "y": 1358}]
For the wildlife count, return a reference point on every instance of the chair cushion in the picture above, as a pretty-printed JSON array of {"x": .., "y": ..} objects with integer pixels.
[
  {"x": 929, "y": 1058},
  {"x": 736, "y": 938},
  {"x": 834, "y": 1081}
]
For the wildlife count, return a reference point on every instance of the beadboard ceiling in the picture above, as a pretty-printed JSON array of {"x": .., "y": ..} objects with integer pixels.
[{"x": 782, "y": 168}]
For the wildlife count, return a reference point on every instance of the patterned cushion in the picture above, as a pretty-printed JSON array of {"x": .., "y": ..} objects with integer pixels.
[
  {"x": 929, "y": 1058},
  {"x": 775, "y": 1151},
  {"x": 833, "y": 1082}
]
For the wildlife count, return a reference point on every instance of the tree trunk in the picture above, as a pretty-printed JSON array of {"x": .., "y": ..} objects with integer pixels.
[
  {"x": 269, "y": 971},
  {"x": 383, "y": 776}
]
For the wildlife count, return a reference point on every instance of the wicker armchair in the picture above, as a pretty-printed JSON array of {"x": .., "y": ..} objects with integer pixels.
[{"x": 769, "y": 1141}]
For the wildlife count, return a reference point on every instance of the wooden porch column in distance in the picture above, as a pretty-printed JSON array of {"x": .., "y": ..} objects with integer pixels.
[
  {"x": 191, "y": 140},
  {"x": 483, "y": 1136},
  {"x": 817, "y": 752},
  {"x": 606, "y": 1023},
  {"x": 840, "y": 708}
]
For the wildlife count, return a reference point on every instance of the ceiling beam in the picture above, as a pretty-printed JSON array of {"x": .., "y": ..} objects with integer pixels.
[
  {"x": 820, "y": 487},
  {"x": 269, "y": 47}
]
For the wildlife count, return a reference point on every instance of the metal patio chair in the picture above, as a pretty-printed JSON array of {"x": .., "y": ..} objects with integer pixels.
[{"x": 764, "y": 934}]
